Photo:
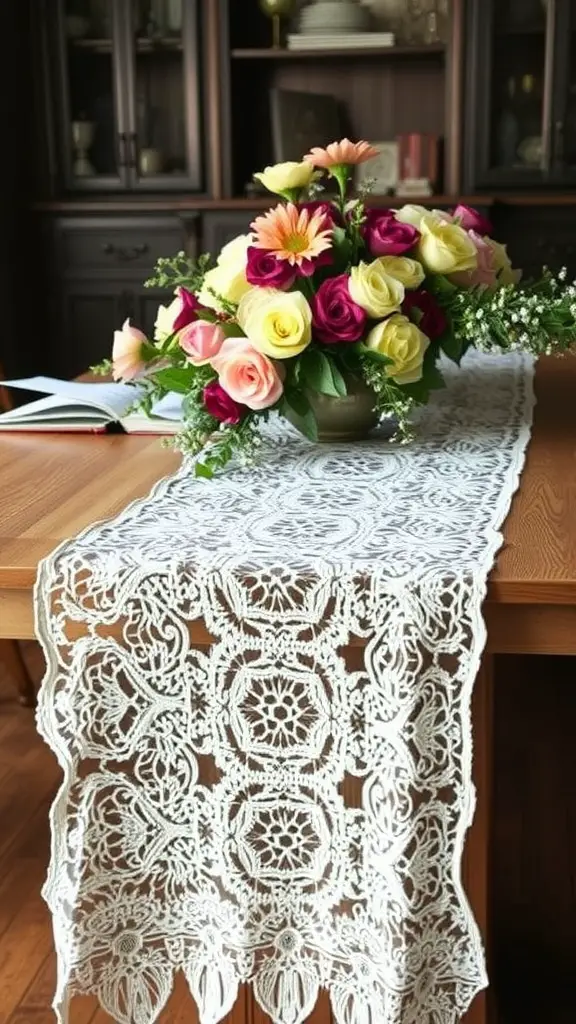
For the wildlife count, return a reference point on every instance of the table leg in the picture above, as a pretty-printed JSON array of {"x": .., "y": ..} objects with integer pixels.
[{"x": 477, "y": 868}]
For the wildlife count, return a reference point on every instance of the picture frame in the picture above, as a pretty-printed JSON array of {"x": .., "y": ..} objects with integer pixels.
[
  {"x": 302, "y": 120},
  {"x": 382, "y": 169}
]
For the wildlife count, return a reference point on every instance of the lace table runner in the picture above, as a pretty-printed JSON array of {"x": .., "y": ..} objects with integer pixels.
[{"x": 274, "y": 809}]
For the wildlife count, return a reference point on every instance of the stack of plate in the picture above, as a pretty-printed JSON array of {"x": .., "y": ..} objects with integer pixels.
[{"x": 337, "y": 16}]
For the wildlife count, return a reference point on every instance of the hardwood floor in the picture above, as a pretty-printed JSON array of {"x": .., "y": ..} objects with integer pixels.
[{"x": 535, "y": 856}]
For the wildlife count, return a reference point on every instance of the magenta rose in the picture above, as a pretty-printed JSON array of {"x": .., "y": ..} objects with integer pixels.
[
  {"x": 221, "y": 406},
  {"x": 335, "y": 315},
  {"x": 433, "y": 320},
  {"x": 386, "y": 236},
  {"x": 266, "y": 271},
  {"x": 188, "y": 311},
  {"x": 331, "y": 216},
  {"x": 471, "y": 220}
]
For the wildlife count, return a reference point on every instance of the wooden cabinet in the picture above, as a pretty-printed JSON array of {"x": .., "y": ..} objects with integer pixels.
[
  {"x": 520, "y": 124},
  {"x": 125, "y": 85},
  {"x": 219, "y": 228},
  {"x": 538, "y": 236},
  {"x": 98, "y": 275}
]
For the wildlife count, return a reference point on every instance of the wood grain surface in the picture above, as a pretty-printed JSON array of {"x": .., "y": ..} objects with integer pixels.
[{"x": 52, "y": 487}]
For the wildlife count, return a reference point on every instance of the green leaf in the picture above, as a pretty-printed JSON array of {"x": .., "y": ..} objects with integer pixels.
[
  {"x": 318, "y": 372},
  {"x": 301, "y": 413},
  {"x": 441, "y": 285},
  {"x": 370, "y": 353},
  {"x": 203, "y": 470},
  {"x": 451, "y": 345},
  {"x": 175, "y": 379},
  {"x": 341, "y": 247},
  {"x": 338, "y": 381}
]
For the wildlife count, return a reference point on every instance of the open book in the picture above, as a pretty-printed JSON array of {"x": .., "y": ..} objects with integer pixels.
[{"x": 73, "y": 406}]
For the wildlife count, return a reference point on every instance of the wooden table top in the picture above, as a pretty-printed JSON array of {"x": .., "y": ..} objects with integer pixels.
[{"x": 53, "y": 486}]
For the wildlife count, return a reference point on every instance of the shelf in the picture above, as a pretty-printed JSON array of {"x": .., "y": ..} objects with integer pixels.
[
  {"x": 141, "y": 45},
  {"x": 271, "y": 53},
  {"x": 201, "y": 204}
]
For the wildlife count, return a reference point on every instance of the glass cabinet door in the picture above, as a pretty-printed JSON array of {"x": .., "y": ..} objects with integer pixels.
[
  {"x": 509, "y": 92},
  {"x": 564, "y": 118},
  {"x": 92, "y": 130},
  {"x": 519, "y": 41},
  {"x": 162, "y": 89}
]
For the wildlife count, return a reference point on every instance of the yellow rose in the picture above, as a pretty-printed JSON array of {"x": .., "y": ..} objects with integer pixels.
[
  {"x": 228, "y": 277},
  {"x": 412, "y": 214},
  {"x": 277, "y": 323},
  {"x": 403, "y": 342},
  {"x": 376, "y": 291},
  {"x": 445, "y": 248},
  {"x": 506, "y": 274},
  {"x": 283, "y": 177},
  {"x": 409, "y": 272}
]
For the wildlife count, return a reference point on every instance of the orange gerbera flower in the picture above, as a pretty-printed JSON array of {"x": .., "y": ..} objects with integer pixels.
[
  {"x": 341, "y": 153},
  {"x": 292, "y": 234}
]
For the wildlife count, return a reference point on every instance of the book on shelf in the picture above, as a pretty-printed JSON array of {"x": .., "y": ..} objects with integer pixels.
[
  {"x": 340, "y": 41},
  {"x": 78, "y": 407}
]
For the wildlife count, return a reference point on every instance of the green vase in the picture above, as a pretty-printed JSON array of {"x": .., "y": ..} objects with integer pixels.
[{"x": 351, "y": 418}]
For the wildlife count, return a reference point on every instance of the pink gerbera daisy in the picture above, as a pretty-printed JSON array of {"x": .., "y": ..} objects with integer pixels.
[
  {"x": 343, "y": 153},
  {"x": 292, "y": 234}
]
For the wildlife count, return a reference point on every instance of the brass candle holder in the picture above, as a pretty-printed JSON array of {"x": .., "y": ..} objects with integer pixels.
[{"x": 276, "y": 10}]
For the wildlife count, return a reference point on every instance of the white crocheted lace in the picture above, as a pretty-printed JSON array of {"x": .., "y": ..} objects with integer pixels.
[{"x": 281, "y": 808}]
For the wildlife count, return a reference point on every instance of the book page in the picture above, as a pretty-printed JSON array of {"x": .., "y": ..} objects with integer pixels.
[
  {"x": 50, "y": 410},
  {"x": 112, "y": 399}
]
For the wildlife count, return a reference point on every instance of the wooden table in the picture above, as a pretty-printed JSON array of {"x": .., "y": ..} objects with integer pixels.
[{"x": 53, "y": 486}]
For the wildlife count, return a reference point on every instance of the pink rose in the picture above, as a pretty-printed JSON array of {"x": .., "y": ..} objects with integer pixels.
[
  {"x": 471, "y": 220},
  {"x": 127, "y": 361},
  {"x": 201, "y": 341},
  {"x": 386, "y": 236},
  {"x": 335, "y": 315},
  {"x": 484, "y": 274},
  {"x": 221, "y": 406},
  {"x": 248, "y": 376},
  {"x": 266, "y": 271}
]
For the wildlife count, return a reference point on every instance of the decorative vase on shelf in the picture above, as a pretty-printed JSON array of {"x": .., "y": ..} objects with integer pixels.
[
  {"x": 350, "y": 418},
  {"x": 82, "y": 139},
  {"x": 276, "y": 10}
]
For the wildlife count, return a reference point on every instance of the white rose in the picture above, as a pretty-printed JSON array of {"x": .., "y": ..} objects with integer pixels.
[
  {"x": 235, "y": 252},
  {"x": 163, "y": 326},
  {"x": 222, "y": 282}
]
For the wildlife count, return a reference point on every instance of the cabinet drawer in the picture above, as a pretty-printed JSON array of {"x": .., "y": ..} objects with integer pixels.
[{"x": 109, "y": 244}]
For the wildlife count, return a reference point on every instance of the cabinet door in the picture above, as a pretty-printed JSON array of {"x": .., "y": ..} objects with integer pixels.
[
  {"x": 563, "y": 144},
  {"x": 547, "y": 237},
  {"x": 162, "y": 81},
  {"x": 510, "y": 93},
  {"x": 90, "y": 312},
  {"x": 219, "y": 228},
  {"x": 87, "y": 48}
]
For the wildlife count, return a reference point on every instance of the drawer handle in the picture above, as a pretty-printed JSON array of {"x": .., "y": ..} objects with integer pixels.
[{"x": 124, "y": 253}]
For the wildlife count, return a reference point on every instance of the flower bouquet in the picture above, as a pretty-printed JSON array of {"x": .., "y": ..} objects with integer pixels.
[{"x": 331, "y": 313}]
